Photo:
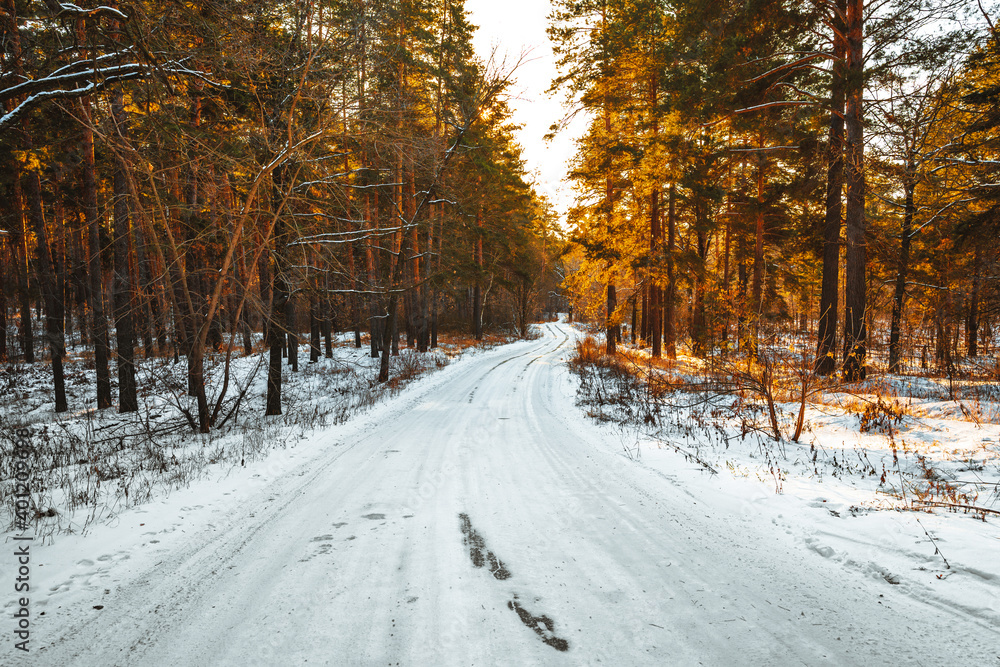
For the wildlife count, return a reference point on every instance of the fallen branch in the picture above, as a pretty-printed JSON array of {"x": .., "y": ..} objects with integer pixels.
[{"x": 973, "y": 508}]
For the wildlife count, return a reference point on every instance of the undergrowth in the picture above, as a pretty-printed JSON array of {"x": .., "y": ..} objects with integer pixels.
[
  {"x": 704, "y": 408},
  {"x": 89, "y": 465}
]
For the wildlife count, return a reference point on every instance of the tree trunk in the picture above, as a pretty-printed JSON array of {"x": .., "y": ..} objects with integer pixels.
[
  {"x": 20, "y": 254},
  {"x": 22, "y": 259},
  {"x": 292, "y": 337},
  {"x": 144, "y": 294},
  {"x": 434, "y": 293},
  {"x": 972, "y": 321},
  {"x": 60, "y": 258},
  {"x": 355, "y": 309},
  {"x": 276, "y": 333},
  {"x": 895, "y": 344},
  {"x": 264, "y": 285},
  {"x": 655, "y": 325},
  {"x": 644, "y": 312},
  {"x": 314, "y": 341},
  {"x": 669, "y": 324},
  {"x": 826, "y": 349},
  {"x": 388, "y": 336},
  {"x": 3, "y": 297},
  {"x": 376, "y": 324},
  {"x": 242, "y": 281},
  {"x": 757, "y": 286},
  {"x": 327, "y": 324},
  {"x": 699, "y": 320},
  {"x": 477, "y": 295},
  {"x": 425, "y": 288},
  {"x": 726, "y": 296},
  {"x": 855, "y": 264},
  {"x": 99, "y": 321},
  {"x": 394, "y": 321},
  {"x": 123, "y": 296},
  {"x": 47, "y": 280}
]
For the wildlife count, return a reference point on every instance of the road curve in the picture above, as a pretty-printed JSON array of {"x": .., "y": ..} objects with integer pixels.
[{"x": 481, "y": 519}]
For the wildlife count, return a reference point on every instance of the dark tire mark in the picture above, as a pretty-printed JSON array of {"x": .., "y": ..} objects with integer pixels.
[
  {"x": 543, "y": 626},
  {"x": 478, "y": 552},
  {"x": 509, "y": 359},
  {"x": 544, "y": 354}
]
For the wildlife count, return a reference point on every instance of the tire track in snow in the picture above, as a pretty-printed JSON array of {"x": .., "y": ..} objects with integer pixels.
[
  {"x": 543, "y": 626},
  {"x": 635, "y": 569}
]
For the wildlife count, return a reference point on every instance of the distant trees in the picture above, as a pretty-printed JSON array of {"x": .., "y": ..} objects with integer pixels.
[
  {"x": 199, "y": 172},
  {"x": 789, "y": 141}
]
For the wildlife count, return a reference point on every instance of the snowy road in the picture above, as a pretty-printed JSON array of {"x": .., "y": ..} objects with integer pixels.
[{"x": 480, "y": 519}]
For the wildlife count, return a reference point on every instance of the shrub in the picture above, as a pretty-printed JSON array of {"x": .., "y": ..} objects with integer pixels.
[{"x": 881, "y": 417}]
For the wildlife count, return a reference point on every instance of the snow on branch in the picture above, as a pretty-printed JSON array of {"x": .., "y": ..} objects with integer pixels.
[
  {"x": 61, "y": 78},
  {"x": 345, "y": 237},
  {"x": 61, "y": 9},
  {"x": 783, "y": 103},
  {"x": 83, "y": 77},
  {"x": 178, "y": 67},
  {"x": 14, "y": 114}
]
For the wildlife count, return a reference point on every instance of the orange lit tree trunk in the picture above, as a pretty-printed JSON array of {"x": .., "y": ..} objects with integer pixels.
[{"x": 855, "y": 261}]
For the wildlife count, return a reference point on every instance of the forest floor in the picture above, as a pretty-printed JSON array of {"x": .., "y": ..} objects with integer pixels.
[{"x": 479, "y": 517}]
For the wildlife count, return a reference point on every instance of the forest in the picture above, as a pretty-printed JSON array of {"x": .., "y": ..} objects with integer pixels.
[
  {"x": 826, "y": 170},
  {"x": 179, "y": 179}
]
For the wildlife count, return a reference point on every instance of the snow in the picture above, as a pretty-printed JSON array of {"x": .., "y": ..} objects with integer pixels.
[{"x": 480, "y": 518}]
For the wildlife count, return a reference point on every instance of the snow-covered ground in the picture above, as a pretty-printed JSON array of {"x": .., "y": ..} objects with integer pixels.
[
  {"x": 480, "y": 518},
  {"x": 89, "y": 464}
]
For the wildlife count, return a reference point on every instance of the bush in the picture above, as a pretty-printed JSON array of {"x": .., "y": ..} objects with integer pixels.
[
  {"x": 881, "y": 417},
  {"x": 588, "y": 351}
]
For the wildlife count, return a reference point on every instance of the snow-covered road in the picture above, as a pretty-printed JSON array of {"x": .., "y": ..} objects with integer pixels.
[{"x": 481, "y": 519}]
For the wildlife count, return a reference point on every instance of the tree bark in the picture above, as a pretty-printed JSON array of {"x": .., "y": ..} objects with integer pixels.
[
  {"x": 757, "y": 285},
  {"x": 376, "y": 324},
  {"x": 23, "y": 282},
  {"x": 855, "y": 264},
  {"x": 314, "y": 341},
  {"x": 123, "y": 296},
  {"x": 899, "y": 296},
  {"x": 655, "y": 325},
  {"x": 477, "y": 294},
  {"x": 699, "y": 318},
  {"x": 826, "y": 349},
  {"x": 291, "y": 327},
  {"x": 47, "y": 280},
  {"x": 972, "y": 321},
  {"x": 3, "y": 296},
  {"x": 276, "y": 331},
  {"x": 99, "y": 321},
  {"x": 669, "y": 320}
]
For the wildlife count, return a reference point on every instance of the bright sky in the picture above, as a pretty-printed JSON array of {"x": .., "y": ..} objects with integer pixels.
[{"x": 513, "y": 27}]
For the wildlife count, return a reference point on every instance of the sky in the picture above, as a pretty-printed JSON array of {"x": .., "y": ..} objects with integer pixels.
[{"x": 515, "y": 27}]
